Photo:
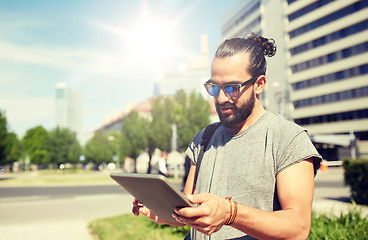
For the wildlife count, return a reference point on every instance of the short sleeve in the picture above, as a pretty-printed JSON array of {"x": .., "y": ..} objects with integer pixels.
[
  {"x": 299, "y": 149},
  {"x": 193, "y": 149}
]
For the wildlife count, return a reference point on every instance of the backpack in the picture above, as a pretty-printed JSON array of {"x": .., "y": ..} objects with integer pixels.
[{"x": 208, "y": 132}]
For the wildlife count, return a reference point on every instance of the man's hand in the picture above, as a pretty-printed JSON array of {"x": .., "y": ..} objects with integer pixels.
[
  {"x": 208, "y": 217},
  {"x": 138, "y": 208}
]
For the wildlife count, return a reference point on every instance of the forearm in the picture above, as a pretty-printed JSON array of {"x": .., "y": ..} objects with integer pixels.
[{"x": 283, "y": 224}]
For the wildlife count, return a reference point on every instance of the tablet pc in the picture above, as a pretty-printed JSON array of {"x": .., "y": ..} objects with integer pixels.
[{"x": 154, "y": 191}]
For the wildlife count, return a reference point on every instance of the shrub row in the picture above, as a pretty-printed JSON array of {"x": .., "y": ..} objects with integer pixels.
[{"x": 356, "y": 176}]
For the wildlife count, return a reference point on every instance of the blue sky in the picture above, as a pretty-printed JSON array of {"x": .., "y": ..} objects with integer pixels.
[{"x": 108, "y": 50}]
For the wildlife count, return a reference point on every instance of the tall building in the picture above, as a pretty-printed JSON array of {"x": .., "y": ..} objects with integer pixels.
[
  {"x": 266, "y": 18},
  {"x": 68, "y": 108},
  {"x": 318, "y": 76},
  {"x": 328, "y": 62}
]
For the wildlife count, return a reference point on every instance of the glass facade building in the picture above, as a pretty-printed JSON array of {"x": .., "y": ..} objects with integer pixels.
[{"x": 328, "y": 70}]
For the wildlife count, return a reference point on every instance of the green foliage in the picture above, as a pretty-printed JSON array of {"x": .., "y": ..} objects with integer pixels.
[
  {"x": 130, "y": 227},
  {"x": 346, "y": 226},
  {"x": 351, "y": 225},
  {"x": 191, "y": 115},
  {"x": 98, "y": 149},
  {"x": 135, "y": 131},
  {"x": 3, "y": 137},
  {"x": 10, "y": 146},
  {"x": 356, "y": 176},
  {"x": 63, "y": 146},
  {"x": 160, "y": 126},
  {"x": 14, "y": 149},
  {"x": 35, "y": 144}
]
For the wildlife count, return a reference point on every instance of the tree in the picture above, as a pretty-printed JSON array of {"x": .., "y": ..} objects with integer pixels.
[
  {"x": 115, "y": 143},
  {"x": 14, "y": 148},
  {"x": 63, "y": 146},
  {"x": 3, "y": 137},
  {"x": 10, "y": 146},
  {"x": 135, "y": 135},
  {"x": 159, "y": 131},
  {"x": 35, "y": 145},
  {"x": 192, "y": 113},
  {"x": 98, "y": 149}
]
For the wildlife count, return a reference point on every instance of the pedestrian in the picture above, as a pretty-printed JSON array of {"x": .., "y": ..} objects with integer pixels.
[
  {"x": 162, "y": 168},
  {"x": 256, "y": 179}
]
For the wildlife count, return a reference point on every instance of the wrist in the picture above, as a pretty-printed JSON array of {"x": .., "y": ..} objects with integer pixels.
[{"x": 233, "y": 211}]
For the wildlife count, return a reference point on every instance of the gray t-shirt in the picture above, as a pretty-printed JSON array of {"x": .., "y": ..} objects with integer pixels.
[{"x": 245, "y": 166}]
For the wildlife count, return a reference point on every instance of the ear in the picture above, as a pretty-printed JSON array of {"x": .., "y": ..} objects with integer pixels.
[{"x": 260, "y": 84}]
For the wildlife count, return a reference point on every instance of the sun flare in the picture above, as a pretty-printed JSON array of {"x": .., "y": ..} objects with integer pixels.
[{"x": 149, "y": 42}]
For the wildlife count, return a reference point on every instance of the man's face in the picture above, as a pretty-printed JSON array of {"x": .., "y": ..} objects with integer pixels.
[{"x": 233, "y": 111}]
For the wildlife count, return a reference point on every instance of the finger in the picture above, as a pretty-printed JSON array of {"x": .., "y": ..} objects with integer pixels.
[
  {"x": 135, "y": 210},
  {"x": 183, "y": 220},
  {"x": 191, "y": 212},
  {"x": 136, "y": 202},
  {"x": 198, "y": 198}
]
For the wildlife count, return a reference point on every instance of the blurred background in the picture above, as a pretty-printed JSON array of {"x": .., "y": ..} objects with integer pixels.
[
  {"x": 73, "y": 71},
  {"x": 110, "y": 85}
]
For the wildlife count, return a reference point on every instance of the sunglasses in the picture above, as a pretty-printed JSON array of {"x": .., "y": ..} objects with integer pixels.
[{"x": 231, "y": 90}]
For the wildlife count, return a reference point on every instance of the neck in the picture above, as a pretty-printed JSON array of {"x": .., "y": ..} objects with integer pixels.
[{"x": 257, "y": 112}]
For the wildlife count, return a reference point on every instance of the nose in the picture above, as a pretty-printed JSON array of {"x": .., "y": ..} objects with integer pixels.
[{"x": 222, "y": 97}]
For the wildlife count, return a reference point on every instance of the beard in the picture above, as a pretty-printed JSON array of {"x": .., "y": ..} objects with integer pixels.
[{"x": 241, "y": 113}]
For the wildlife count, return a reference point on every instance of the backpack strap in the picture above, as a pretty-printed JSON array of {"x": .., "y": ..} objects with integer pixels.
[{"x": 208, "y": 132}]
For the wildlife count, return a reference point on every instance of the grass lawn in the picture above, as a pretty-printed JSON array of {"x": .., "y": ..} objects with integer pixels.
[
  {"x": 345, "y": 227},
  {"x": 130, "y": 227}
]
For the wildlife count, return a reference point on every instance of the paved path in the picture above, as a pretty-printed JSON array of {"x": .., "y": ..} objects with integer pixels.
[
  {"x": 58, "y": 219},
  {"x": 331, "y": 196}
]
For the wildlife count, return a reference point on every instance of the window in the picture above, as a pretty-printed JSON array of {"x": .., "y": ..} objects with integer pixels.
[
  {"x": 329, "y": 18},
  {"x": 343, "y": 116},
  {"x": 341, "y": 75},
  {"x": 332, "y": 57},
  {"x": 333, "y": 97},
  {"x": 307, "y": 9}
]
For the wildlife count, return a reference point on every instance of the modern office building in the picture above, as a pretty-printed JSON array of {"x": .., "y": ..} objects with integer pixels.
[
  {"x": 68, "y": 108},
  {"x": 318, "y": 76},
  {"x": 266, "y": 18},
  {"x": 328, "y": 70}
]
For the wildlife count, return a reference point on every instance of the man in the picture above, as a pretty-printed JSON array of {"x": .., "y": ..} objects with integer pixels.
[{"x": 267, "y": 164}]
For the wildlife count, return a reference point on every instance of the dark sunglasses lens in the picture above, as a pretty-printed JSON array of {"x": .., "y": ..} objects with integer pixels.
[
  {"x": 212, "y": 90},
  {"x": 232, "y": 91}
]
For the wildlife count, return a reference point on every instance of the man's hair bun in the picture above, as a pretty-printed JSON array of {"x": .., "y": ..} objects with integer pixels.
[{"x": 268, "y": 45}]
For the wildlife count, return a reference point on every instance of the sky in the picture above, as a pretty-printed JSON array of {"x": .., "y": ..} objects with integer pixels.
[{"x": 110, "y": 51}]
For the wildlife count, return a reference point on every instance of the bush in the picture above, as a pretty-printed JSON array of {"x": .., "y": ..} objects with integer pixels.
[
  {"x": 356, "y": 176},
  {"x": 351, "y": 225}
]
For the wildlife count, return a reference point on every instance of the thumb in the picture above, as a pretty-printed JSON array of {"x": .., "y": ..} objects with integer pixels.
[{"x": 197, "y": 198}]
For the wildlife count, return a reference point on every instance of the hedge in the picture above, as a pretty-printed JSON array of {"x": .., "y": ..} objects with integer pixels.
[{"x": 356, "y": 176}]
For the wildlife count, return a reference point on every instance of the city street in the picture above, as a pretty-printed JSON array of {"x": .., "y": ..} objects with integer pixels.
[
  {"x": 59, "y": 212},
  {"x": 63, "y": 212}
]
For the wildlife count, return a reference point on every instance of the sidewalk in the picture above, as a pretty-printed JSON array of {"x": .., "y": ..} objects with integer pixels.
[{"x": 331, "y": 195}]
